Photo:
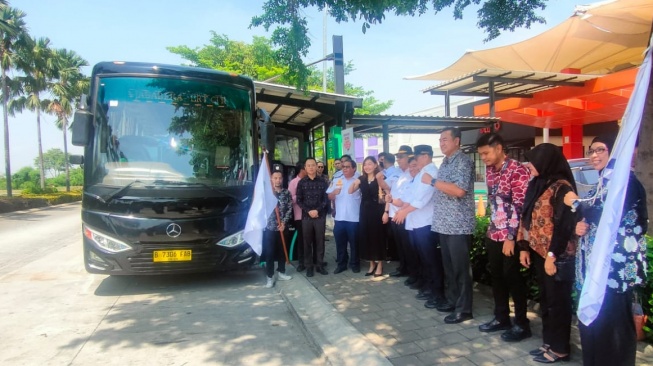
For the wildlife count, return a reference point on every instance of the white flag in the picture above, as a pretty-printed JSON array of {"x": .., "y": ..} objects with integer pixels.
[
  {"x": 616, "y": 174},
  {"x": 263, "y": 203}
]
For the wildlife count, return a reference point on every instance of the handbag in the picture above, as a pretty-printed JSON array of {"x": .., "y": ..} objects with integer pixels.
[{"x": 565, "y": 269}]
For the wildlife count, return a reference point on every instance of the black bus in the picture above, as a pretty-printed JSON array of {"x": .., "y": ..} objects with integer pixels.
[{"x": 169, "y": 158}]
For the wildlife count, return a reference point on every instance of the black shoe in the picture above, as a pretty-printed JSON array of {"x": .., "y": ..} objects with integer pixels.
[
  {"x": 339, "y": 270},
  {"x": 309, "y": 272},
  {"x": 424, "y": 295},
  {"x": 371, "y": 272},
  {"x": 493, "y": 326},
  {"x": 433, "y": 303},
  {"x": 516, "y": 333},
  {"x": 455, "y": 318},
  {"x": 397, "y": 274},
  {"x": 416, "y": 285},
  {"x": 356, "y": 269},
  {"x": 550, "y": 357},
  {"x": 539, "y": 351},
  {"x": 445, "y": 307},
  {"x": 322, "y": 271},
  {"x": 410, "y": 280},
  {"x": 301, "y": 267}
]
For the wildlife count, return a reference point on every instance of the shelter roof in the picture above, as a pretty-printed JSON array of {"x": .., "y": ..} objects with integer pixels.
[
  {"x": 506, "y": 83},
  {"x": 290, "y": 107},
  {"x": 415, "y": 124},
  {"x": 600, "y": 38}
]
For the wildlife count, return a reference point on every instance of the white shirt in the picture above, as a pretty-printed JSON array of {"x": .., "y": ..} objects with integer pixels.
[
  {"x": 340, "y": 174},
  {"x": 348, "y": 206},
  {"x": 422, "y": 199},
  {"x": 397, "y": 190},
  {"x": 392, "y": 174}
]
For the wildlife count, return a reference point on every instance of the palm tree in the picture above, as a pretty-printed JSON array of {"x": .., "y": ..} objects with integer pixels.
[
  {"x": 67, "y": 88},
  {"x": 13, "y": 36},
  {"x": 37, "y": 63}
]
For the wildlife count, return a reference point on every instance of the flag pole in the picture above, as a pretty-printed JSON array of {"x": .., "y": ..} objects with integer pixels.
[{"x": 276, "y": 211}]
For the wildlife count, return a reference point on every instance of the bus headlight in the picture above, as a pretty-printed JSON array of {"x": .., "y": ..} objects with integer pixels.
[
  {"x": 232, "y": 240},
  {"x": 105, "y": 242}
]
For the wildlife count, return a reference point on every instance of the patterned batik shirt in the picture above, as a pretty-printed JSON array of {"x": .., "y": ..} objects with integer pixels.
[
  {"x": 285, "y": 211},
  {"x": 506, "y": 189},
  {"x": 628, "y": 265},
  {"x": 311, "y": 195},
  {"x": 455, "y": 215}
]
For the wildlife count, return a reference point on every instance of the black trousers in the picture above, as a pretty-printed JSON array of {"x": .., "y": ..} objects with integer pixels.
[
  {"x": 430, "y": 256},
  {"x": 313, "y": 231},
  {"x": 555, "y": 304},
  {"x": 407, "y": 262},
  {"x": 273, "y": 251},
  {"x": 506, "y": 282},
  {"x": 457, "y": 270},
  {"x": 611, "y": 339}
]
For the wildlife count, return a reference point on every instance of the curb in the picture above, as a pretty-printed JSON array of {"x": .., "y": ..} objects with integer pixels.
[
  {"x": 22, "y": 212},
  {"x": 333, "y": 336}
]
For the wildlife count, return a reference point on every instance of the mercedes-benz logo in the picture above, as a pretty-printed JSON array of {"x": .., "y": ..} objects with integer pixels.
[{"x": 173, "y": 230}]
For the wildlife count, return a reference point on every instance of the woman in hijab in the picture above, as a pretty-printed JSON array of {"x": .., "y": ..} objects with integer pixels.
[
  {"x": 610, "y": 339},
  {"x": 546, "y": 236}
]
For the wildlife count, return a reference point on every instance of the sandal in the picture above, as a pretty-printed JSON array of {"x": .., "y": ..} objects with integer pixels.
[
  {"x": 550, "y": 357},
  {"x": 539, "y": 351}
]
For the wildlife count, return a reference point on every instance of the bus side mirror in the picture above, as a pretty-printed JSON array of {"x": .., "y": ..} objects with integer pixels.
[
  {"x": 267, "y": 131},
  {"x": 81, "y": 127},
  {"x": 76, "y": 159}
]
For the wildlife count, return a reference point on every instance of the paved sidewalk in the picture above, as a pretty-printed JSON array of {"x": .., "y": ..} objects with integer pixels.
[{"x": 387, "y": 315}]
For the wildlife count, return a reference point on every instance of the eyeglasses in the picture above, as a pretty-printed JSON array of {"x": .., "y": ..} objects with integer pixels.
[
  {"x": 320, "y": 166},
  {"x": 598, "y": 150}
]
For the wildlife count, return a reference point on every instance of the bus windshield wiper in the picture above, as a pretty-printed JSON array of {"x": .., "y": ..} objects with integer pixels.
[
  {"x": 111, "y": 196},
  {"x": 196, "y": 184}
]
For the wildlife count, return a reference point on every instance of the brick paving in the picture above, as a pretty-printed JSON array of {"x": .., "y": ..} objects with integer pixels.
[{"x": 388, "y": 315}]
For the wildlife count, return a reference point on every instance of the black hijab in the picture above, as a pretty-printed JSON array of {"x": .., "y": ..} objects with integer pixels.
[{"x": 551, "y": 166}]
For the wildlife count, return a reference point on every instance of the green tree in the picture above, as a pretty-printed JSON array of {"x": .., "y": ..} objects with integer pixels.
[
  {"x": 67, "y": 88},
  {"x": 291, "y": 32},
  {"x": 37, "y": 63},
  {"x": 24, "y": 175},
  {"x": 54, "y": 162},
  {"x": 257, "y": 61},
  {"x": 13, "y": 36}
]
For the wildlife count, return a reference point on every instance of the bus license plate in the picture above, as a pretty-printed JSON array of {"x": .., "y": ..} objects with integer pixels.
[{"x": 172, "y": 255}]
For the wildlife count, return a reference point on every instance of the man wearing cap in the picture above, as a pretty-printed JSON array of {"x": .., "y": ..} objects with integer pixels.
[
  {"x": 454, "y": 222},
  {"x": 276, "y": 227},
  {"x": 417, "y": 213},
  {"x": 397, "y": 189},
  {"x": 345, "y": 229},
  {"x": 297, "y": 215},
  {"x": 313, "y": 200}
]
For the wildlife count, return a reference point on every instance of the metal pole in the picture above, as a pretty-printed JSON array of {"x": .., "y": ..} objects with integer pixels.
[{"x": 324, "y": 48}]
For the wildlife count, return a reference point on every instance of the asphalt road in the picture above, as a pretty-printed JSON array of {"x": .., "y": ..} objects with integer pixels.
[{"x": 54, "y": 313}]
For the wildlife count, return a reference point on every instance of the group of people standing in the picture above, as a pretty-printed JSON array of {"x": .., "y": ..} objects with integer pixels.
[{"x": 535, "y": 222}]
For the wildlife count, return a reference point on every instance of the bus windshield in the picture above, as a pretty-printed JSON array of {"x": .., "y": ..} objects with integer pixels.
[{"x": 171, "y": 130}]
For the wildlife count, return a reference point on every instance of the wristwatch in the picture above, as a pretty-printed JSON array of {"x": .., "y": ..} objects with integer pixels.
[
  {"x": 511, "y": 237},
  {"x": 550, "y": 255},
  {"x": 433, "y": 181}
]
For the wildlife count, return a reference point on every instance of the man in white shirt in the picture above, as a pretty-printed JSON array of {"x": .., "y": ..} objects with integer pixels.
[
  {"x": 418, "y": 215},
  {"x": 345, "y": 230},
  {"x": 397, "y": 186}
]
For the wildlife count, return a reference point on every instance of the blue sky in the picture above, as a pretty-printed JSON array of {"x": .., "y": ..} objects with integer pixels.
[{"x": 141, "y": 30}]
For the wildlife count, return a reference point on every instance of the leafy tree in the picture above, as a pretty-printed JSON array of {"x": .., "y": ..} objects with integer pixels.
[
  {"x": 76, "y": 178},
  {"x": 37, "y": 64},
  {"x": 26, "y": 174},
  {"x": 13, "y": 36},
  {"x": 257, "y": 61},
  {"x": 54, "y": 161},
  {"x": 67, "y": 88},
  {"x": 291, "y": 32}
]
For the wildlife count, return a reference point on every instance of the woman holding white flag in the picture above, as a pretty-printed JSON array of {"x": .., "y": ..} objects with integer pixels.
[{"x": 611, "y": 339}]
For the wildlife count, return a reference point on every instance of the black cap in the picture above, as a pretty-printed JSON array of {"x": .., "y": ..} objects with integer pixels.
[
  {"x": 423, "y": 149},
  {"x": 277, "y": 168},
  {"x": 404, "y": 149}
]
